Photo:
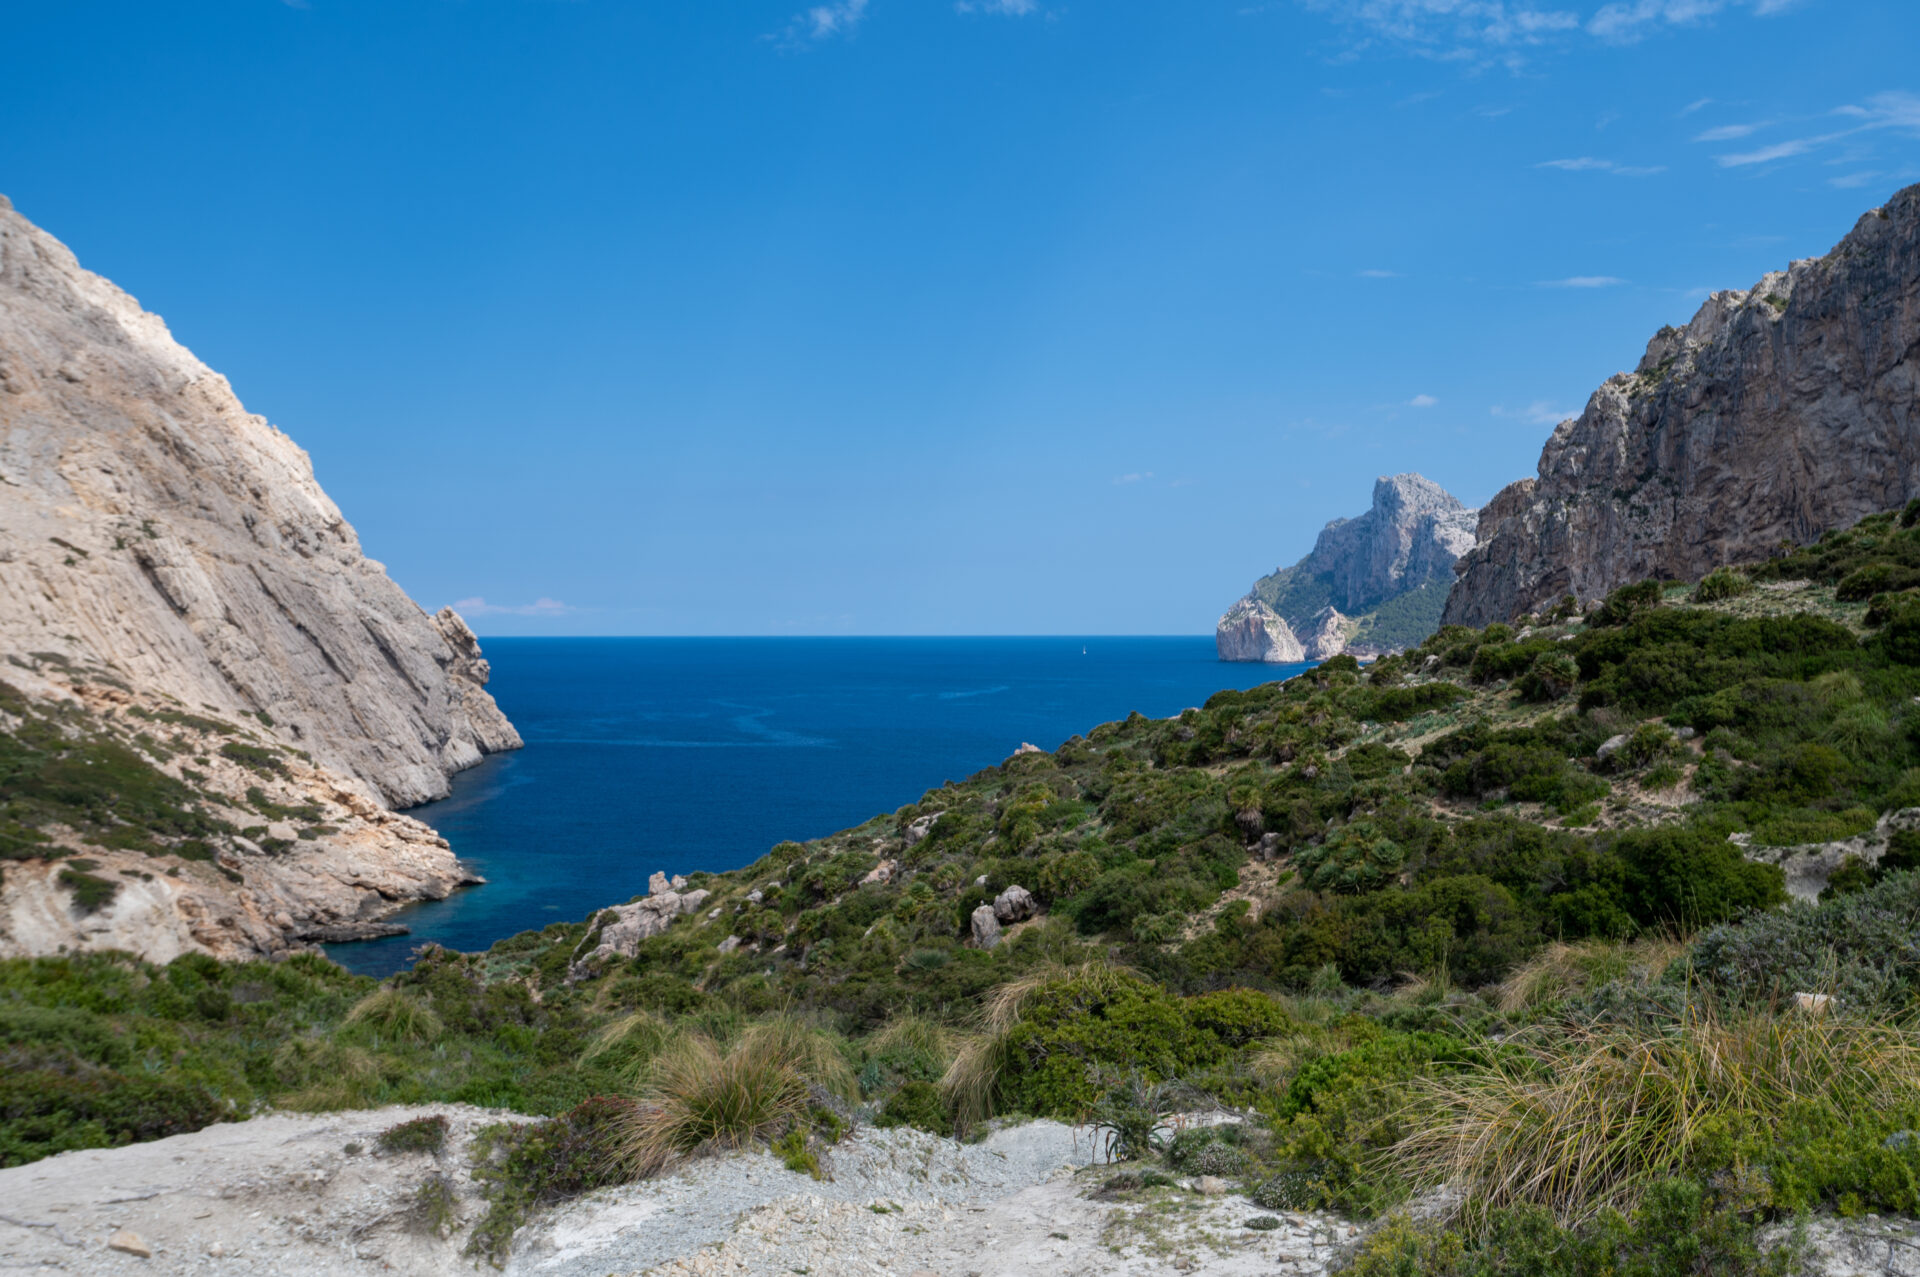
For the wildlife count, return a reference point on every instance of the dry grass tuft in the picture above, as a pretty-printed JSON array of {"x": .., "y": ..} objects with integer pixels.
[
  {"x": 1584, "y": 1117},
  {"x": 698, "y": 1095},
  {"x": 1562, "y": 971},
  {"x": 397, "y": 1015}
]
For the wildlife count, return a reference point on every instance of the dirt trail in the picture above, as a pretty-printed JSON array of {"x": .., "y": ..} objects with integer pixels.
[{"x": 282, "y": 1195}]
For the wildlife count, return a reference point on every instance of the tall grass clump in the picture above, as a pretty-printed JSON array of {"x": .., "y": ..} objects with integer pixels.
[
  {"x": 700, "y": 1095},
  {"x": 395, "y": 1015},
  {"x": 628, "y": 1044},
  {"x": 1580, "y": 1118},
  {"x": 1562, "y": 972}
]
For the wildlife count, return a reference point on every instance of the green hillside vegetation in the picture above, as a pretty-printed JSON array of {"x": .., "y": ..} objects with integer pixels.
[{"x": 1407, "y": 914}]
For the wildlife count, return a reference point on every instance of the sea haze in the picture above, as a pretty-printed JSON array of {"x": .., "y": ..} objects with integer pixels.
[{"x": 685, "y": 754}]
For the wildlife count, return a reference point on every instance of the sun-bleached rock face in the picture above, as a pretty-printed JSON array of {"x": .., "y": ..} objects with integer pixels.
[
  {"x": 1372, "y": 584},
  {"x": 164, "y": 553},
  {"x": 150, "y": 524},
  {"x": 1774, "y": 415},
  {"x": 1252, "y": 631}
]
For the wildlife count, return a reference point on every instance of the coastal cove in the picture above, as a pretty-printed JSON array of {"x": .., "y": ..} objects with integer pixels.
[{"x": 647, "y": 754}]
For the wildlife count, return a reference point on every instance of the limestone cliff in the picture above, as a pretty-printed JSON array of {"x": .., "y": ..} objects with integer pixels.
[
  {"x": 160, "y": 544},
  {"x": 1775, "y": 414},
  {"x": 1372, "y": 584}
]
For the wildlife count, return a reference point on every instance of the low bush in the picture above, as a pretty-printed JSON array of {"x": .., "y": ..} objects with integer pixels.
[
  {"x": 420, "y": 1135},
  {"x": 522, "y": 1166},
  {"x": 1721, "y": 584}
]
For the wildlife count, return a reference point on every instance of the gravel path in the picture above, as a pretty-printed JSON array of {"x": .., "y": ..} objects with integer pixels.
[{"x": 280, "y": 1196}]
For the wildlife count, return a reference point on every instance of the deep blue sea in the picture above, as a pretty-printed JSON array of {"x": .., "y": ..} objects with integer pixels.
[{"x": 685, "y": 754}]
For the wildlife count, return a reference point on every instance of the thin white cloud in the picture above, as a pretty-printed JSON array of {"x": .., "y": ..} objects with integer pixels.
[
  {"x": 1541, "y": 412},
  {"x": 1732, "y": 132},
  {"x": 1503, "y": 31},
  {"x": 1698, "y": 104},
  {"x": 1851, "y": 180},
  {"x": 823, "y": 21},
  {"x": 1138, "y": 477},
  {"x": 542, "y": 606},
  {"x": 1767, "y": 154},
  {"x": 1583, "y": 281},
  {"x": 1588, "y": 164},
  {"x": 1422, "y": 401},
  {"x": 1376, "y": 273},
  {"x": 1897, "y": 111},
  {"x": 1008, "y": 8}
]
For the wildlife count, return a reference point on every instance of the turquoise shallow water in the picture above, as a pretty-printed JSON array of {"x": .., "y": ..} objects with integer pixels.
[{"x": 684, "y": 754}]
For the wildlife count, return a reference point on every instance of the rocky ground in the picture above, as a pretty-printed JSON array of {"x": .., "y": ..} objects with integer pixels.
[
  {"x": 294, "y": 1195},
  {"x": 282, "y": 1194}
]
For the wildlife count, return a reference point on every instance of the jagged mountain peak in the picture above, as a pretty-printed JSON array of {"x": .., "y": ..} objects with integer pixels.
[
  {"x": 1372, "y": 583},
  {"x": 1775, "y": 413}
]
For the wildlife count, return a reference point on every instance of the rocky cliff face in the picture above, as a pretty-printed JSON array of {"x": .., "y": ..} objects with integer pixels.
[
  {"x": 1775, "y": 414},
  {"x": 1372, "y": 584},
  {"x": 158, "y": 540}
]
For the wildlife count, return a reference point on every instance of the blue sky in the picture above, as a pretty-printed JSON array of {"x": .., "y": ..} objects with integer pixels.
[{"x": 915, "y": 316}]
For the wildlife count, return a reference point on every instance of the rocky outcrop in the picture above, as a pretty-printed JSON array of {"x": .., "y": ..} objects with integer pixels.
[
  {"x": 616, "y": 933},
  {"x": 1252, "y": 631},
  {"x": 1373, "y": 584},
  {"x": 1808, "y": 866},
  {"x": 1777, "y": 413},
  {"x": 153, "y": 526},
  {"x": 164, "y": 552}
]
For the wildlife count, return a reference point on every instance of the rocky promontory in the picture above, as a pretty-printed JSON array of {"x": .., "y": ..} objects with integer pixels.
[
  {"x": 175, "y": 584},
  {"x": 1775, "y": 414},
  {"x": 1372, "y": 584}
]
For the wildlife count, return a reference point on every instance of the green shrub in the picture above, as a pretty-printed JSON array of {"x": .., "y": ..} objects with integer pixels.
[
  {"x": 521, "y": 1167},
  {"x": 91, "y": 893},
  {"x": 419, "y": 1135},
  {"x": 1721, "y": 584},
  {"x": 1339, "y": 1115},
  {"x": 1681, "y": 1229},
  {"x": 919, "y": 1105},
  {"x": 1627, "y": 603}
]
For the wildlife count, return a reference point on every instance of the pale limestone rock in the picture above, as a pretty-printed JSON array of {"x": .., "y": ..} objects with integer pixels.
[
  {"x": 1324, "y": 604},
  {"x": 921, "y": 827},
  {"x": 882, "y": 872},
  {"x": 616, "y": 933},
  {"x": 1777, "y": 413},
  {"x": 334, "y": 886},
  {"x": 658, "y": 885},
  {"x": 986, "y": 927},
  {"x": 129, "y": 1244},
  {"x": 1326, "y": 634},
  {"x": 1252, "y": 631},
  {"x": 1015, "y": 904},
  {"x": 1808, "y": 866},
  {"x": 163, "y": 549}
]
